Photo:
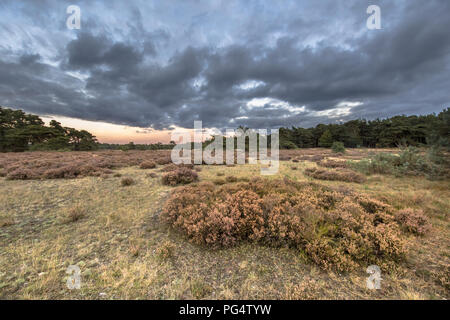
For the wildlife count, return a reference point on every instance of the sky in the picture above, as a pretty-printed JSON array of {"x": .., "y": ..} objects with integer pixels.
[{"x": 137, "y": 70}]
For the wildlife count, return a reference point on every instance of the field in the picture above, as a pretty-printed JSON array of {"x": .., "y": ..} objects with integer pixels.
[{"x": 80, "y": 208}]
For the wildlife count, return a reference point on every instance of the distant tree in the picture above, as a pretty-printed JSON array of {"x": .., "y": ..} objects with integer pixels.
[{"x": 326, "y": 140}]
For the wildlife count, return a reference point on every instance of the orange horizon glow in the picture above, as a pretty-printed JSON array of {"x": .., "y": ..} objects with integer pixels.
[{"x": 113, "y": 133}]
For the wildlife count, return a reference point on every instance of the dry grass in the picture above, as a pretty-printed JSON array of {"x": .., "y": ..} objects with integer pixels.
[{"x": 115, "y": 244}]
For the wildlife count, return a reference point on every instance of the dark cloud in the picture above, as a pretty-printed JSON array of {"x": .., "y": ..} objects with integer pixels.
[{"x": 257, "y": 69}]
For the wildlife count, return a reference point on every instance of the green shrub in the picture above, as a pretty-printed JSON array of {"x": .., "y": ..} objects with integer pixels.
[
  {"x": 338, "y": 147},
  {"x": 410, "y": 161}
]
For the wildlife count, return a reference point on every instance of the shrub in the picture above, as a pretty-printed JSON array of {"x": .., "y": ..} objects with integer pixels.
[
  {"x": 152, "y": 175},
  {"x": 180, "y": 176},
  {"x": 173, "y": 167},
  {"x": 220, "y": 174},
  {"x": 76, "y": 213},
  {"x": 413, "y": 221},
  {"x": 22, "y": 174},
  {"x": 147, "y": 165},
  {"x": 219, "y": 182},
  {"x": 295, "y": 160},
  {"x": 165, "y": 251},
  {"x": 338, "y": 174},
  {"x": 163, "y": 161},
  {"x": 333, "y": 164},
  {"x": 409, "y": 162},
  {"x": 335, "y": 230},
  {"x": 294, "y": 168},
  {"x": 231, "y": 179},
  {"x": 127, "y": 181},
  {"x": 338, "y": 147},
  {"x": 117, "y": 175}
]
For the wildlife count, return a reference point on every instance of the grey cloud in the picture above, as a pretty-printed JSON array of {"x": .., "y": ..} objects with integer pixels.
[{"x": 155, "y": 78}]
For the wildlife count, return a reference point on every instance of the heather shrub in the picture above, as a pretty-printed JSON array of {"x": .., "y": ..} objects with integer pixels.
[
  {"x": 163, "y": 161},
  {"x": 173, "y": 167},
  {"x": 165, "y": 251},
  {"x": 338, "y": 147},
  {"x": 182, "y": 175},
  {"x": 152, "y": 175},
  {"x": 147, "y": 165},
  {"x": 338, "y": 174},
  {"x": 231, "y": 179},
  {"x": 294, "y": 168},
  {"x": 333, "y": 164},
  {"x": 340, "y": 231},
  {"x": 75, "y": 213},
  {"x": 127, "y": 181},
  {"x": 413, "y": 221},
  {"x": 219, "y": 182},
  {"x": 220, "y": 174},
  {"x": 22, "y": 174}
]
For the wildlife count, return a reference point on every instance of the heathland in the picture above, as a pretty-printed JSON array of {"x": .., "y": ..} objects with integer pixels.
[{"x": 139, "y": 227}]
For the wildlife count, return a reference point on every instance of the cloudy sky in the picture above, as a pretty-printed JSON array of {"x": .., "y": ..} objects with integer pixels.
[{"x": 137, "y": 69}]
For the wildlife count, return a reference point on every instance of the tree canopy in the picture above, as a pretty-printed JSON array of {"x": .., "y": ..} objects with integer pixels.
[{"x": 26, "y": 132}]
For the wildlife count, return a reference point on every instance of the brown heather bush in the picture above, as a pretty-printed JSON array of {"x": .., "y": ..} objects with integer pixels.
[
  {"x": 182, "y": 175},
  {"x": 332, "y": 164},
  {"x": 338, "y": 174},
  {"x": 152, "y": 175},
  {"x": 163, "y": 161},
  {"x": 220, "y": 174},
  {"x": 231, "y": 179},
  {"x": 294, "y": 168},
  {"x": 173, "y": 167},
  {"x": 165, "y": 251},
  {"x": 76, "y": 213},
  {"x": 127, "y": 181},
  {"x": 295, "y": 160},
  {"x": 413, "y": 221},
  {"x": 69, "y": 165},
  {"x": 147, "y": 165},
  {"x": 219, "y": 182},
  {"x": 339, "y": 231}
]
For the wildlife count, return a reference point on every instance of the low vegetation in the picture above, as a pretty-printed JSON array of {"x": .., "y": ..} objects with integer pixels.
[
  {"x": 181, "y": 175},
  {"x": 336, "y": 231},
  {"x": 414, "y": 221},
  {"x": 434, "y": 163},
  {"x": 287, "y": 236},
  {"x": 338, "y": 174}
]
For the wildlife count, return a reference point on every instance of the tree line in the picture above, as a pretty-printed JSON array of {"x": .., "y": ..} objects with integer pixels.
[
  {"x": 380, "y": 133},
  {"x": 27, "y": 132}
]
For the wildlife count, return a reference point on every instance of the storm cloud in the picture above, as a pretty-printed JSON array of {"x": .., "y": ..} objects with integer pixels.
[{"x": 261, "y": 64}]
